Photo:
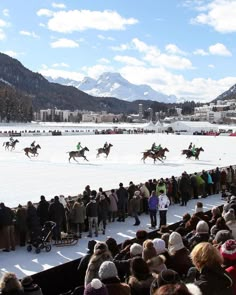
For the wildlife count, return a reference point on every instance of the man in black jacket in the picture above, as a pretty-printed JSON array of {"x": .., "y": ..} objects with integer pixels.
[
  {"x": 57, "y": 214},
  {"x": 6, "y": 223},
  {"x": 122, "y": 195},
  {"x": 92, "y": 213}
]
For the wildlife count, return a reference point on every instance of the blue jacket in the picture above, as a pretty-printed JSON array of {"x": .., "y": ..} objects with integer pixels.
[{"x": 153, "y": 203}]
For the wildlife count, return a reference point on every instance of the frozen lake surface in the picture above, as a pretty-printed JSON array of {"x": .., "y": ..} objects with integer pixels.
[{"x": 51, "y": 174}]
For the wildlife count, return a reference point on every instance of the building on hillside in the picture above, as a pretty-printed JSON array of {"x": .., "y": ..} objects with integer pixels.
[{"x": 191, "y": 127}]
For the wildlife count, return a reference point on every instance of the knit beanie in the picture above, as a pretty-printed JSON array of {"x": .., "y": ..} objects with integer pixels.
[
  {"x": 107, "y": 270},
  {"x": 149, "y": 251},
  {"x": 175, "y": 243},
  {"x": 159, "y": 245},
  {"x": 230, "y": 215},
  {"x": 228, "y": 250},
  {"x": 96, "y": 287},
  {"x": 165, "y": 277},
  {"x": 222, "y": 236},
  {"x": 136, "y": 249},
  {"x": 202, "y": 227}
]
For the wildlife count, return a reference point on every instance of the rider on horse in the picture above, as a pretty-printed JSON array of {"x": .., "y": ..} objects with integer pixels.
[
  {"x": 79, "y": 147},
  {"x": 32, "y": 144},
  {"x": 11, "y": 139},
  {"x": 193, "y": 150},
  {"x": 155, "y": 148},
  {"x": 190, "y": 146}
]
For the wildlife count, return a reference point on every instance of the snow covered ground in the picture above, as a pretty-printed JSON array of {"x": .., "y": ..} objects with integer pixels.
[{"x": 50, "y": 173}]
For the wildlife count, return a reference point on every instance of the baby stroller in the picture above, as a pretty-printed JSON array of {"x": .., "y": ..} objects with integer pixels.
[{"x": 41, "y": 241}]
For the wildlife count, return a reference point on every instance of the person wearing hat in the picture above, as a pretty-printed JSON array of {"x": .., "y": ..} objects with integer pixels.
[
  {"x": 148, "y": 250},
  {"x": 163, "y": 205},
  {"x": 92, "y": 213},
  {"x": 100, "y": 254},
  {"x": 29, "y": 287},
  {"x": 109, "y": 276},
  {"x": 95, "y": 287},
  {"x": 228, "y": 252},
  {"x": 201, "y": 234},
  {"x": 140, "y": 278},
  {"x": 231, "y": 221},
  {"x": 135, "y": 207},
  {"x": 179, "y": 255},
  {"x": 122, "y": 195},
  {"x": 221, "y": 237}
]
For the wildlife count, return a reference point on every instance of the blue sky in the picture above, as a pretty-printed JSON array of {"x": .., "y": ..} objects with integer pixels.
[{"x": 181, "y": 47}]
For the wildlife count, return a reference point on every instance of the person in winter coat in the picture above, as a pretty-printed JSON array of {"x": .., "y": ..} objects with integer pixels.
[
  {"x": 101, "y": 254},
  {"x": 6, "y": 222},
  {"x": 57, "y": 214},
  {"x": 109, "y": 276},
  {"x": 201, "y": 185},
  {"x": 113, "y": 205},
  {"x": 201, "y": 235},
  {"x": 145, "y": 195},
  {"x": 103, "y": 210},
  {"x": 42, "y": 210},
  {"x": 212, "y": 278},
  {"x": 33, "y": 223},
  {"x": 152, "y": 206},
  {"x": 78, "y": 215},
  {"x": 122, "y": 195},
  {"x": 30, "y": 288},
  {"x": 185, "y": 189},
  {"x": 21, "y": 224},
  {"x": 163, "y": 205},
  {"x": 160, "y": 186},
  {"x": 135, "y": 207},
  {"x": 92, "y": 213},
  {"x": 10, "y": 285},
  {"x": 140, "y": 279}
]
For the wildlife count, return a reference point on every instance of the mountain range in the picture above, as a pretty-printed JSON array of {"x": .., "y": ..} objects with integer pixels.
[{"x": 114, "y": 85}]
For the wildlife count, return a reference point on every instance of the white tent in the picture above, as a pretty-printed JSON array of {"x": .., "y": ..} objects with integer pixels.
[{"x": 189, "y": 127}]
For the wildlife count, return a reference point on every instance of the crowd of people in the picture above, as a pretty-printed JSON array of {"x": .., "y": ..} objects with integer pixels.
[{"x": 201, "y": 250}]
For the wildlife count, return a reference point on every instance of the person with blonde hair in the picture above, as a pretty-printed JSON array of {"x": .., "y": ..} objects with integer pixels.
[
  {"x": 10, "y": 285},
  {"x": 212, "y": 278}
]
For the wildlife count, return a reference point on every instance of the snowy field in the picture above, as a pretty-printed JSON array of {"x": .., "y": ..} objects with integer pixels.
[{"x": 51, "y": 174}]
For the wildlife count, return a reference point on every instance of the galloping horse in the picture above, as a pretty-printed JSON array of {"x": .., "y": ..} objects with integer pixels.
[
  {"x": 104, "y": 150},
  {"x": 189, "y": 153},
  {"x": 10, "y": 143},
  {"x": 158, "y": 155},
  {"x": 80, "y": 153},
  {"x": 32, "y": 150}
]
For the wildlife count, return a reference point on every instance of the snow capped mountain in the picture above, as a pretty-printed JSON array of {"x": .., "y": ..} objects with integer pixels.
[
  {"x": 229, "y": 94},
  {"x": 114, "y": 85}
]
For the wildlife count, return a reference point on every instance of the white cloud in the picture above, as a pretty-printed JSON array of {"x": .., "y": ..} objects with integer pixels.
[
  {"x": 5, "y": 12},
  {"x": 96, "y": 70},
  {"x": 11, "y": 53},
  {"x": 211, "y": 66},
  {"x": 2, "y": 35},
  {"x": 104, "y": 60},
  {"x": 129, "y": 60},
  {"x": 61, "y": 64},
  {"x": 45, "y": 12},
  {"x": 29, "y": 34},
  {"x": 64, "y": 43},
  {"x": 174, "y": 49},
  {"x": 220, "y": 14},
  {"x": 81, "y": 20},
  {"x": 54, "y": 73},
  {"x": 121, "y": 47},
  {"x": 219, "y": 49},
  {"x": 200, "y": 52},
  {"x": 3, "y": 24},
  {"x": 102, "y": 37},
  {"x": 58, "y": 5},
  {"x": 153, "y": 55}
]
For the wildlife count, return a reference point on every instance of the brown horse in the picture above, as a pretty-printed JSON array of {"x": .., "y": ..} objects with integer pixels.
[
  {"x": 32, "y": 150},
  {"x": 74, "y": 154},
  {"x": 190, "y": 154},
  {"x": 158, "y": 155},
  {"x": 104, "y": 150},
  {"x": 11, "y": 144}
]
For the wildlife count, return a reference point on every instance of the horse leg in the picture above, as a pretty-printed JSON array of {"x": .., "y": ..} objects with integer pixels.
[
  {"x": 86, "y": 159},
  {"x": 27, "y": 154},
  {"x": 160, "y": 160},
  {"x": 97, "y": 155},
  {"x": 74, "y": 159}
]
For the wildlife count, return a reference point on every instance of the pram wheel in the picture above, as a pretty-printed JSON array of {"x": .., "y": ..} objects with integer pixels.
[
  {"x": 29, "y": 248},
  {"x": 48, "y": 248},
  {"x": 37, "y": 250}
]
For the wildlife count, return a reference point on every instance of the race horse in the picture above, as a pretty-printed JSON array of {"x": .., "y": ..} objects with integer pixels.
[
  {"x": 158, "y": 155},
  {"x": 104, "y": 150},
  {"x": 11, "y": 144},
  {"x": 32, "y": 150},
  {"x": 76, "y": 154},
  {"x": 190, "y": 154}
]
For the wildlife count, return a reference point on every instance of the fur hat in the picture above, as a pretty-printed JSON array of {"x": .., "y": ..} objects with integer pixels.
[
  {"x": 157, "y": 264},
  {"x": 96, "y": 287},
  {"x": 175, "y": 242},
  {"x": 230, "y": 215},
  {"x": 100, "y": 247},
  {"x": 136, "y": 249},
  {"x": 222, "y": 236},
  {"x": 228, "y": 250},
  {"x": 149, "y": 251},
  {"x": 141, "y": 235},
  {"x": 107, "y": 270},
  {"x": 202, "y": 227},
  {"x": 165, "y": 277},
  {"x": 159, "y": 245}
]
